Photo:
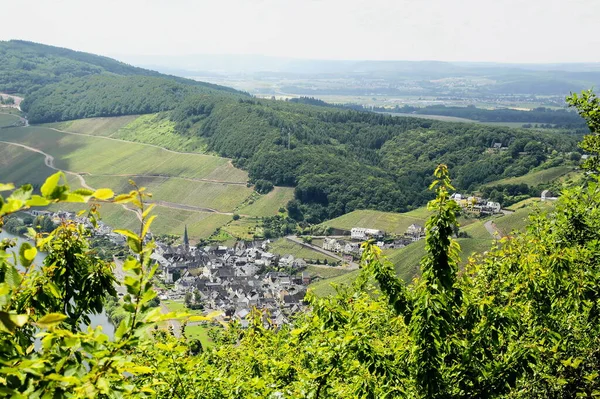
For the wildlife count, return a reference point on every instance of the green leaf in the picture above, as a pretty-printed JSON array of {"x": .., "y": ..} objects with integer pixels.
[
  {"x": 27, "y": 254},
  {"x": 19, "y": 319},
  {"x": 11, "y": 205},
  {"x": 131, "y": 264},
  {"x": 124, "y": 198},
  {"x": 6, "y": 186},
  {"x": 51, "y": 319},
  {"x": 12, "y": 277},
  {"x": 6, "y": 324},
  {"x": 127, "y": 233},
  {"x": 71, "y": 197},
  {"x": 23, "y": 193},
  {"x": 148, "y": 210},
  {"x": 122, "y": 329},
  {"x": 140, "y": 369},
  {"x": 147, "y": 225},
  {"x": 134, "y": 244},
  {"x": 148, "y": 296},
  {"x": 50, "y": 184},
  {"x": 37, "y": 200},
  {"x": 104, "y": 193},
  {"x": 30, "y": 253}
]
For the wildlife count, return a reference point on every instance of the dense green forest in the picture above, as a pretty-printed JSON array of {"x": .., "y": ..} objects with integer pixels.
[
  {"x": 26, "y": 67},
  {"x": 106, "y": 95},
  {"x": 340, "y": 161}
]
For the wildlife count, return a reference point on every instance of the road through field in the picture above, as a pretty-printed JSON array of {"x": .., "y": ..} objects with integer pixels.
[
  {"x": 49, "y": 162},
  {"x": 158, "y": 147},
  {"x": 351, "y": 265}
]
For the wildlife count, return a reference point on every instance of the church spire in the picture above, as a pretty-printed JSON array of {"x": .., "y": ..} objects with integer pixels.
[{"x": 186, "y": 240}]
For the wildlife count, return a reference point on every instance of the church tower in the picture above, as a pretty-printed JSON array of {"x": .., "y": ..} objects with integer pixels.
[{"x": 186, "y": 240}]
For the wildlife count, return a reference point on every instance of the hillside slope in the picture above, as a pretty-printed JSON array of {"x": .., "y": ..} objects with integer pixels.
[{"x": 27, "y": 66}]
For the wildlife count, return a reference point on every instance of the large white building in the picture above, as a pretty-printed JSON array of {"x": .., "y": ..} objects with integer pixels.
[{"x": 361, "y": 233}]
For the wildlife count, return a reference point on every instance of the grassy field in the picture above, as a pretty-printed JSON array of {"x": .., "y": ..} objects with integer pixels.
[
  {"x": 196, "y": 331},
  {"x": 199, "y": 331},
  {"x": 154, "y": 129},
  {"x": 219, "y": 196},
  {"x": 97, "y": 155},
  {"x": 20, "y": 166},
  {"x": 535, "y": 178},
  {"x": 269, "y": 204},
  {"x": 168, "y": 221},
  {"x": 106, "y": 127},
  {"x": 283, "y": 246},
  {"x": 326, "y": 272},
  {"x": 324, "y": 287},
  {"x": 407, "y": 260},
  {"x": 434, "y": 117},
  {"x": 515, "y": 221},
  {"x": 395, "y": 223},
  {"x": 7, "y": 119}
]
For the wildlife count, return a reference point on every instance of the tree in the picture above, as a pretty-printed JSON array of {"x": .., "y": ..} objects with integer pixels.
[
  {"x": 588, "y": 106},
  {"x": 188, "y": 299}
]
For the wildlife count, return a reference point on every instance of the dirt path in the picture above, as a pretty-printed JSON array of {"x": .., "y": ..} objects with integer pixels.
[
  {"x": 491, "y": 227},
  {"x": 49, "y": 162}
]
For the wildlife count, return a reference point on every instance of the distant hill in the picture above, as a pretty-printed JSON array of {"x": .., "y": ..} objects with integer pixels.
[{"x": 27, "y": 66}]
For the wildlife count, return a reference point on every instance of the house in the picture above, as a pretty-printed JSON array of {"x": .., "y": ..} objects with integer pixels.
[
  {"x": 361, "y": 233},
  {"x": 352, "y": 248},
  {"x": 286, "y": 261},
  {"x": 333, "y": 245},
  {"x": 494, "y": 207},
  {"x": 415, "y": 230}
]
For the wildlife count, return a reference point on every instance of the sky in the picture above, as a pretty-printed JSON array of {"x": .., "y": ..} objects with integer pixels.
[{"x": 515, "y": 31}]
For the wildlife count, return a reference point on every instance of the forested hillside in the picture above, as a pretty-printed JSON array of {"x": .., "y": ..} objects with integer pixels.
[
  {"x": 340, "y": 161},
  {"x": 106, "y": 95},
  {"x": 26, "y": 67}
]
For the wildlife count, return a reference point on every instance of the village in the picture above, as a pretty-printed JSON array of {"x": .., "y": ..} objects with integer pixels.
[{"x": 235, "y": 280}]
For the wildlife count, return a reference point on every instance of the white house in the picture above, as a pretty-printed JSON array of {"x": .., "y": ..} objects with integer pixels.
[
  {"x": 361, "y": 233},
  {"x": 494, "y": 206},
  {"x": 414, "y": 230}
]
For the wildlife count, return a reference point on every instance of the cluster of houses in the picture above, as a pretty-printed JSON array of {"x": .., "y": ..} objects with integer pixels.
[
  {"x": 351, "y": 250},
  {"x": 235, "y": 280},
  {"x": 101, "y": 229},
  {"x": 477, "y": 205}
]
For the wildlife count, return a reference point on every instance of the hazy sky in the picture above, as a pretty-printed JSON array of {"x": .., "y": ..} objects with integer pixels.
[{"x": 450, "y": 30}]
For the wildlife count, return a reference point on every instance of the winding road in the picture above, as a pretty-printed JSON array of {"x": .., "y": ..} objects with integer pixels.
[
  {"x": 229, "y": 163},
  {"x": 49, "y": 162}
]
